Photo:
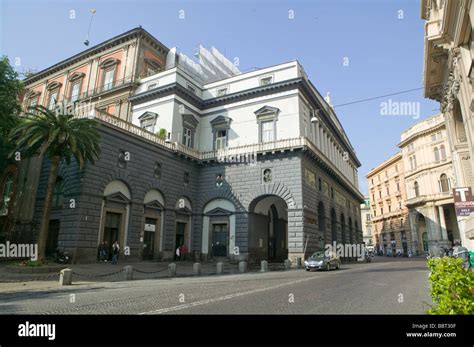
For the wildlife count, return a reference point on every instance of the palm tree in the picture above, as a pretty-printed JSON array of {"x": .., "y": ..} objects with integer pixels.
[{"x": 60, "y": 136}]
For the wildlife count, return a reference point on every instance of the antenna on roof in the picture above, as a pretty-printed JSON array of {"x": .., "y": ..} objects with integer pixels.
[{"x": 86, "y": 41}]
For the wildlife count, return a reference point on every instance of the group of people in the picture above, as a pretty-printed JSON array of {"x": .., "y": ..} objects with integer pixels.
[
  {"x": 181, "y": 252},
  {"x": 103, "y": 253}
]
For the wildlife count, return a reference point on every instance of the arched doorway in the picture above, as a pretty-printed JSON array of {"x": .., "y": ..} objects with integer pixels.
[
  {"x": 115, "y": 214},
  {"x": 268, "y": 228},
  {"x": 218, "y": 230},
  {"x": 422, "y": 234},
  {"x": 153, "y": 207}
]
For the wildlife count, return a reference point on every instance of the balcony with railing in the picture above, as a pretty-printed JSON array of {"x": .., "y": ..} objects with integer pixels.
[
  {"x": 103, "y": 89},
  {"x": 214, "y": 155}
]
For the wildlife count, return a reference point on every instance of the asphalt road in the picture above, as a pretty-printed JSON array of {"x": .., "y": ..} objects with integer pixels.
[{"x": 385, "y": 286}]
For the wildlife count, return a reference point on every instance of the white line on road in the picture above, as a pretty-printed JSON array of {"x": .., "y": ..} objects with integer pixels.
[{"x": 248, "y": 292}]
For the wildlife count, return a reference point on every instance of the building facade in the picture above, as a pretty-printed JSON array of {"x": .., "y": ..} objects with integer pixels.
[
  {"x": 429, "y": 180},
  {"x": 448, "y": 78},
  {"x": 102, "y": 77},
  {"x": 366, "y": 219},
  {"x": 254, "y": 166},
  {"x": 390, "y": 224}
]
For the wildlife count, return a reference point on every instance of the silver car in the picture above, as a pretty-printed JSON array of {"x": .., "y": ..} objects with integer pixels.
[{"x": 320, "y": 261}]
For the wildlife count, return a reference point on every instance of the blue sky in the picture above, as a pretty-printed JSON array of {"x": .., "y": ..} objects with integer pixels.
[{"x": 382, "y": 41}]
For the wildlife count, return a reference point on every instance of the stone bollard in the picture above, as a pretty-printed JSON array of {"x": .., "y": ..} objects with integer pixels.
[
  {"x": 197, "y": 269},
  {"x": 264, "y": 266},
  {"x": 298, "y": 263},
  {"x": 287, "y": 264},
  {"x": 65, "y": 277},
  {"x": 220, "y": 267},
  {"x": 242, "y": 266},
  {"x": 128, "y": 273},
  {"x": 172, "y": 269}
]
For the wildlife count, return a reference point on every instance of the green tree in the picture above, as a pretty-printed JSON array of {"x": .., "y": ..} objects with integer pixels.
[
  {"x": 59, "y": 136},
  {"x": 10, "y": 90}
]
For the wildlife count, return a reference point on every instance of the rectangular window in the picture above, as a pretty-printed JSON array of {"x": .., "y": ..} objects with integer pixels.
[
  {"x": 266, "y": 80},
  {"x": 53, "y": 98},
  {"x": 148, "y": 124},
  {"x": 221, "y": 139},
  {"x": 367, "y": 216},
  {"x": 33, "y": 101},
  {"x": 191, "y": 88},
  {"x": 75, "y": 90},
  {"x": 221, "y": 91},
  {"x": 267, "y": 131},
  {"x": 108, "y": 79},
  {"x": 388, "y": 191},
  {"x": 187, "y": 137}
]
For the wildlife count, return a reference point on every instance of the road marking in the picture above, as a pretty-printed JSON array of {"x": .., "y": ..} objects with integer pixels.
[{"x": 236, "y": 295}]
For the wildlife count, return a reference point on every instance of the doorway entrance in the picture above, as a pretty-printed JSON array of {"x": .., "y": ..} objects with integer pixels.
[
  {"x": 180, "y": 232},
  {"x": 220, "y": 240},
  {"x": 149, "y": 237},
  {"x": 111, "y": 230},
  {"x": 53, "y": 233}
]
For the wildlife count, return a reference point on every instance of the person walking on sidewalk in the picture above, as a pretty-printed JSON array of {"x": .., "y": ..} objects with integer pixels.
[
  {"x": 178, "y": 253},
  {"x": 115, "y": 252}
]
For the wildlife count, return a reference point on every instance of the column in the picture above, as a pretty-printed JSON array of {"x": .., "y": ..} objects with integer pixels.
[{"x": 442, "y": 224}]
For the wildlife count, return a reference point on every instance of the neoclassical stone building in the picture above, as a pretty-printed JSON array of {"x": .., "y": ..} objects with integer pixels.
[
  {"x": 251, "y": 166},
  {"x": 390, "y": 224},
  {"x": 429, "y": 180},
  {"x": 448, "y": 78}
]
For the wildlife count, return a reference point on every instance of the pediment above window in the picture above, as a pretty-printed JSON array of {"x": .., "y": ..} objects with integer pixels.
[
  {"x": 118, "y": 198},
  {"x": 148, "y": 115},
  {"x": 221, "y": 122},
  {"x": 54, "y": 85},
  {"x": 190, "y": 120},
  {"x": 155, "y": 205},
  {"x": 218, "y": 211},
  {"x": 32, "y": 93},
  {"x": 109, "y": 62},
  {"x": 76, "y": 76},
  {"x": 267, "y": 112},
  {"x": 184, "y": 210}
]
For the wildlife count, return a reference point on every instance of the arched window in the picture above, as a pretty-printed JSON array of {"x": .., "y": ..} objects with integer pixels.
[
  {"x": 416, "y": 187},
  {"x": 6, "y": 194},
  {"x": 442, "y": 151},
  {"x": 58, "y": 193},
  {"x": 436, "y": 154},
  {"x": 444, "y": 183}
]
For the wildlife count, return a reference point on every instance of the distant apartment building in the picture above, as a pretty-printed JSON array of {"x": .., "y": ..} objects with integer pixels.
[
  {"x": 366, "y": 219},
  {"x": 387, "y": 194},
  {"x": 254, "y": 165},
  {"x": 448, "y": 78},
  {"x": 429, "y": 180}
]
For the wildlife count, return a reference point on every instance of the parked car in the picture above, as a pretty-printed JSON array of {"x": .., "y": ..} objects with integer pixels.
[{"x": 320, "y": 261}]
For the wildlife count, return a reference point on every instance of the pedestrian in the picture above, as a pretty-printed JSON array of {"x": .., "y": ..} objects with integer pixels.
[
  {"x": 115, "y": 252},
  {"x": 178, "y": 253},
  {"x": 183, "y": 251}
]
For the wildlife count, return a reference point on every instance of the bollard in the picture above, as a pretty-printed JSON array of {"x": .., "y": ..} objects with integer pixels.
[
  {"x": 298, "y": 263},
  {"x": 65, "y": 277},
  {"x": 242, "y": 266},
  {"x": 220, "y": 267},
  {"x": 172, "y": 269},
  {"x": 197, "y": 269},
  {"x": 264, "y": 266},
  {"x": 128, "y": 273},
  {"x": 287, "y": 264}
]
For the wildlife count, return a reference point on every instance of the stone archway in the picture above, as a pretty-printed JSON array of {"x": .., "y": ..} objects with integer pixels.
[{"x": 268, "y": 228}]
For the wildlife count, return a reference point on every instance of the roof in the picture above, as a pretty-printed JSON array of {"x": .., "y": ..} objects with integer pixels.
[{"x": 133, "y": 33}]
